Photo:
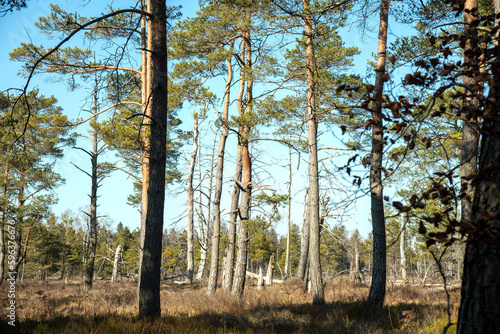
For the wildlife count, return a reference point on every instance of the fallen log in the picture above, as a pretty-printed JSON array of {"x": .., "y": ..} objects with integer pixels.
[
  {"x": 449, "y": 287},
  {"x": 256, "y": 276}
]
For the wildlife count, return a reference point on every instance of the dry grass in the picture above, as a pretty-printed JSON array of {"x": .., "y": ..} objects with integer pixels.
[{"x": 58, "y": 307}]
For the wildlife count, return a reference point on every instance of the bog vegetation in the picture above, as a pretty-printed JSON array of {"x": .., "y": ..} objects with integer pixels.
[
  {"x": 259, "y": 115},
  {"x": 54, "y": 306}
]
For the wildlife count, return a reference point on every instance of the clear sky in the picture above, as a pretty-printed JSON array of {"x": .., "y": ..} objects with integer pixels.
[{"x": 19, "y": 27}]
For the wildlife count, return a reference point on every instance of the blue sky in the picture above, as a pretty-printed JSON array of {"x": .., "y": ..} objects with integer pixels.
[{"x": 19, "y": 27}]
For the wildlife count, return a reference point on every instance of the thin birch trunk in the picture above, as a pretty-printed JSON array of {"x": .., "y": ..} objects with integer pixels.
[{"x": 289, "y": 217}]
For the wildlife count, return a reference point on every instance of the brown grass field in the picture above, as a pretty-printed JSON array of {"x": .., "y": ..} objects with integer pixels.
[{"x": 53, "y": 306}]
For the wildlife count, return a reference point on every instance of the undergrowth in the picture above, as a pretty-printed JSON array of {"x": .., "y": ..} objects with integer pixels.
[{"x": 53, "y": 306}]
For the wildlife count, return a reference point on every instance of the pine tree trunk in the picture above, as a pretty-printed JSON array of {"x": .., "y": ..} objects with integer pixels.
[
  {"x": 149, "y": 287},
  {"x": 227, "y": 284},
  {"x": 244, "y": 208},
  {"x": 146, "y": 44},
  {"x": 214, "y": 261},
  {"x": 479, "y": 308},
  {"x": 377, "y": 288},
  {"x": 317, "y": 291},
  {"x": 241, "y": 259},
  {"x": 470, "y": 127}
]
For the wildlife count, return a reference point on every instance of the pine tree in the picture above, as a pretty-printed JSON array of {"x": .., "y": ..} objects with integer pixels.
[{"x": 34, "y": 131}]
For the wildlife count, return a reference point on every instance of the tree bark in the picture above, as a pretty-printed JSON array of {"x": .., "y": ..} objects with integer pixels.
[
  {"x": 227, "y": 284},
  {"x": 289, "y": 217},
  {"x": 244, "y": 209},
  {"x": 402, "y": 248},
  {"x": 205, "y": 232},
  {"x": 304, "y": 243},
  {"x": 114, "y": 276},
  {"x": 214, "y": 261},
  {"x": 146, "y": 44},
  {"x": 377, "y": 288},
  {"x": 260, "y": 281},
  {"x": 270, "y": 271},
  {"x": 93, "y": 207},
  {"x": 190, "y": 193},
  {"x": 149, "y": 287},
  {"x": 317, "y": 291},
  {"x": 470, "y": 127},
  {"x": 479, "y": 308},
  {"x": 18, "y": 230}
]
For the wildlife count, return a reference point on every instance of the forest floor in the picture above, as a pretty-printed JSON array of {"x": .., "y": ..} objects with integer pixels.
[{"x": 54, "y": 306}]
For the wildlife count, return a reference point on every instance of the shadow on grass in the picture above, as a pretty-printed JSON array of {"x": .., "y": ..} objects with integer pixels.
[{"x": 337, "y": 317}]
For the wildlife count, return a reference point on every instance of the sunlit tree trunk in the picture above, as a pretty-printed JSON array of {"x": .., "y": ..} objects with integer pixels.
[
  {"x": 317, "y": 292},
  {"x": 190, "y": 193},
  {"x": 94, "y": 175},
  {"x": 204, "y": 221},
  {"x": 470, "y": 128},
  {"x": 116, "y": 262},
  {"x": 214, "y": 261},
  {"x": 146, "y": 45},
  {"x": 149, "y": 287},
  {"x": 93, "y": 209},
  {"x": 377, "y": 288},
  {"x": 227, "y": 284},
  {"x": 289, "y": 217},
  {"x": 402, "y": 248},
  {"x": 304, "y": 243},
  {"x": 18, "y": 230},
  {"x": 270, "y": 271},
  {"x": 244, "y": 208}
]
